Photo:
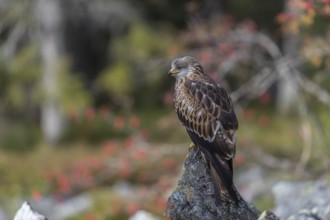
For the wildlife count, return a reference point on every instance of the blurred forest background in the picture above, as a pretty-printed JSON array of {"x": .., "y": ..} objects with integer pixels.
[{"x": 87, "y": 125}]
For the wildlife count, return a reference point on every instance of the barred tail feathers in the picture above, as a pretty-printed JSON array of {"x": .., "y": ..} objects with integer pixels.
[{"x": 222, "y": 176}]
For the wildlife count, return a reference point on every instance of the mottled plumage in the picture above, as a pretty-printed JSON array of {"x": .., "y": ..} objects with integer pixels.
[{"x": 206, "y": 111}]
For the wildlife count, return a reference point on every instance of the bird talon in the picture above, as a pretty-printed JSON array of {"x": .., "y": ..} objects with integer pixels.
[{"x": 191, "y": 145}]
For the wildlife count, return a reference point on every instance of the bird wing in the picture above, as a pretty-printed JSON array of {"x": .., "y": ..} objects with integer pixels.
[{"x": 205, "y": 109}]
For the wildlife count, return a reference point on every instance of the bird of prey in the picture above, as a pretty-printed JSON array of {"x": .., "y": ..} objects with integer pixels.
[{"x": 206, "y": 111}]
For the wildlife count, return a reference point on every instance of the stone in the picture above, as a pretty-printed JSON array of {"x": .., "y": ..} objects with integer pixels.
[{"x": 193, "y": 197}]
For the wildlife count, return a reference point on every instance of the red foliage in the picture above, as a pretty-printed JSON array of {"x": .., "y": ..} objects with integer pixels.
[
  {"x": 96, "y": 164},
  {"x": 143, "y": 176},
  {"x": 109, "y": 148},
  {"x": 172, "y": 50},
  {"x": 168, "y": 98},
  {"x": 140, "y": 154},
  {"x": 48, "y": 176},
  {"x": 132, "y": 208},
  {"x": 63, "y": 183},
  {"x": 135, "y": 122},
  {"x": 104, "y": 112},
  {"x": 36, "y": 195},
  {"x": 265, "y": 98},
  {"x": 161, "y": 203},
  {"x": 239, "y": 159},
  {"x": 125, "y": 168},
  {"x": 145, "y": 134},
  {"x": 90, "y": 114},
  {"x": 119, "y": 123},
  {"x": 250, "y": 25},
  {"x": 248, "y": 114},
  {"x": 169, "y": 163},
  {"x": 129, "y": 142},
  {"x": 225, "y": 48},
  {"x": 90, "y": 216},
  {"x": 75, "y": 178},
  {"x": 116, "y": 208},
  {"x": 264, "y": 121},
  {"x": 213, "y": 75},
  {"x": 233, "y": 55},
  {"x": 164, "y": 184},
  {"x": 73, "y": 114},
  {"x": 283, "y": 17},
  {"x": 205, "y": 57},
  {"x": 309, "y": 6}
]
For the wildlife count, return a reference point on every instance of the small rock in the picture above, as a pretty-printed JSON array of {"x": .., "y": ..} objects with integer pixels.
[
  {"x": 302, "y": 201},
  {"x": 143, "y": 215},
  {"x": 194, "y": 199},
  {"x": 27, "y": 213}
]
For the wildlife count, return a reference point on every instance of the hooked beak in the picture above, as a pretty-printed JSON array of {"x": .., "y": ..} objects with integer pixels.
[{"x": 173, "y": 72}]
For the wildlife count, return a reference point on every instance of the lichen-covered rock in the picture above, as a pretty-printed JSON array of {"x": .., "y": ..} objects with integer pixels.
[{"x": 193, "y": 197}]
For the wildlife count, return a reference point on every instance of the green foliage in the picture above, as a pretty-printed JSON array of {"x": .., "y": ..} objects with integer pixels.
[
  {"x": 262, "y": 12},
  {"x": 142, "y": 42},
  {"x": 264, "y": 202},
  {"x": 23, "y": 77},
  {"x": 19, "y": 137},
  {"x": 72, "y": 93},
  {"x": 172, "y": 11},
  {"x": 16, "y": 12},
  {"x": 117, "y": 79},
  {"x": 275, "y": 134},
  {"x": 94, "y": 131},
  {"x": 23, "y": 86},
  {"x": 95, "y": 126},
  {"x": 322, "y": 137},
  {"x": 134, "y": 72}
]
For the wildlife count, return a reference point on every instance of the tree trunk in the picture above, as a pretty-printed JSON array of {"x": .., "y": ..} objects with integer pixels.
[
  {"x": 287, "y": 87},
  {"x": 49, "y": 18}
]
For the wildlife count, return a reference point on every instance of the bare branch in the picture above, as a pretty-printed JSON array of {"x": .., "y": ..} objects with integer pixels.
[
  {"x": 313, "y": 88},
  {"x": 256, "y": 85},
  {"x": 306, "y": 135},
  {"x": 8, "y": 48}
]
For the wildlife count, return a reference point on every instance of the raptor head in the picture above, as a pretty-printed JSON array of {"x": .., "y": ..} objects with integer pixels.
[{"x": 182, "y": 66}]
